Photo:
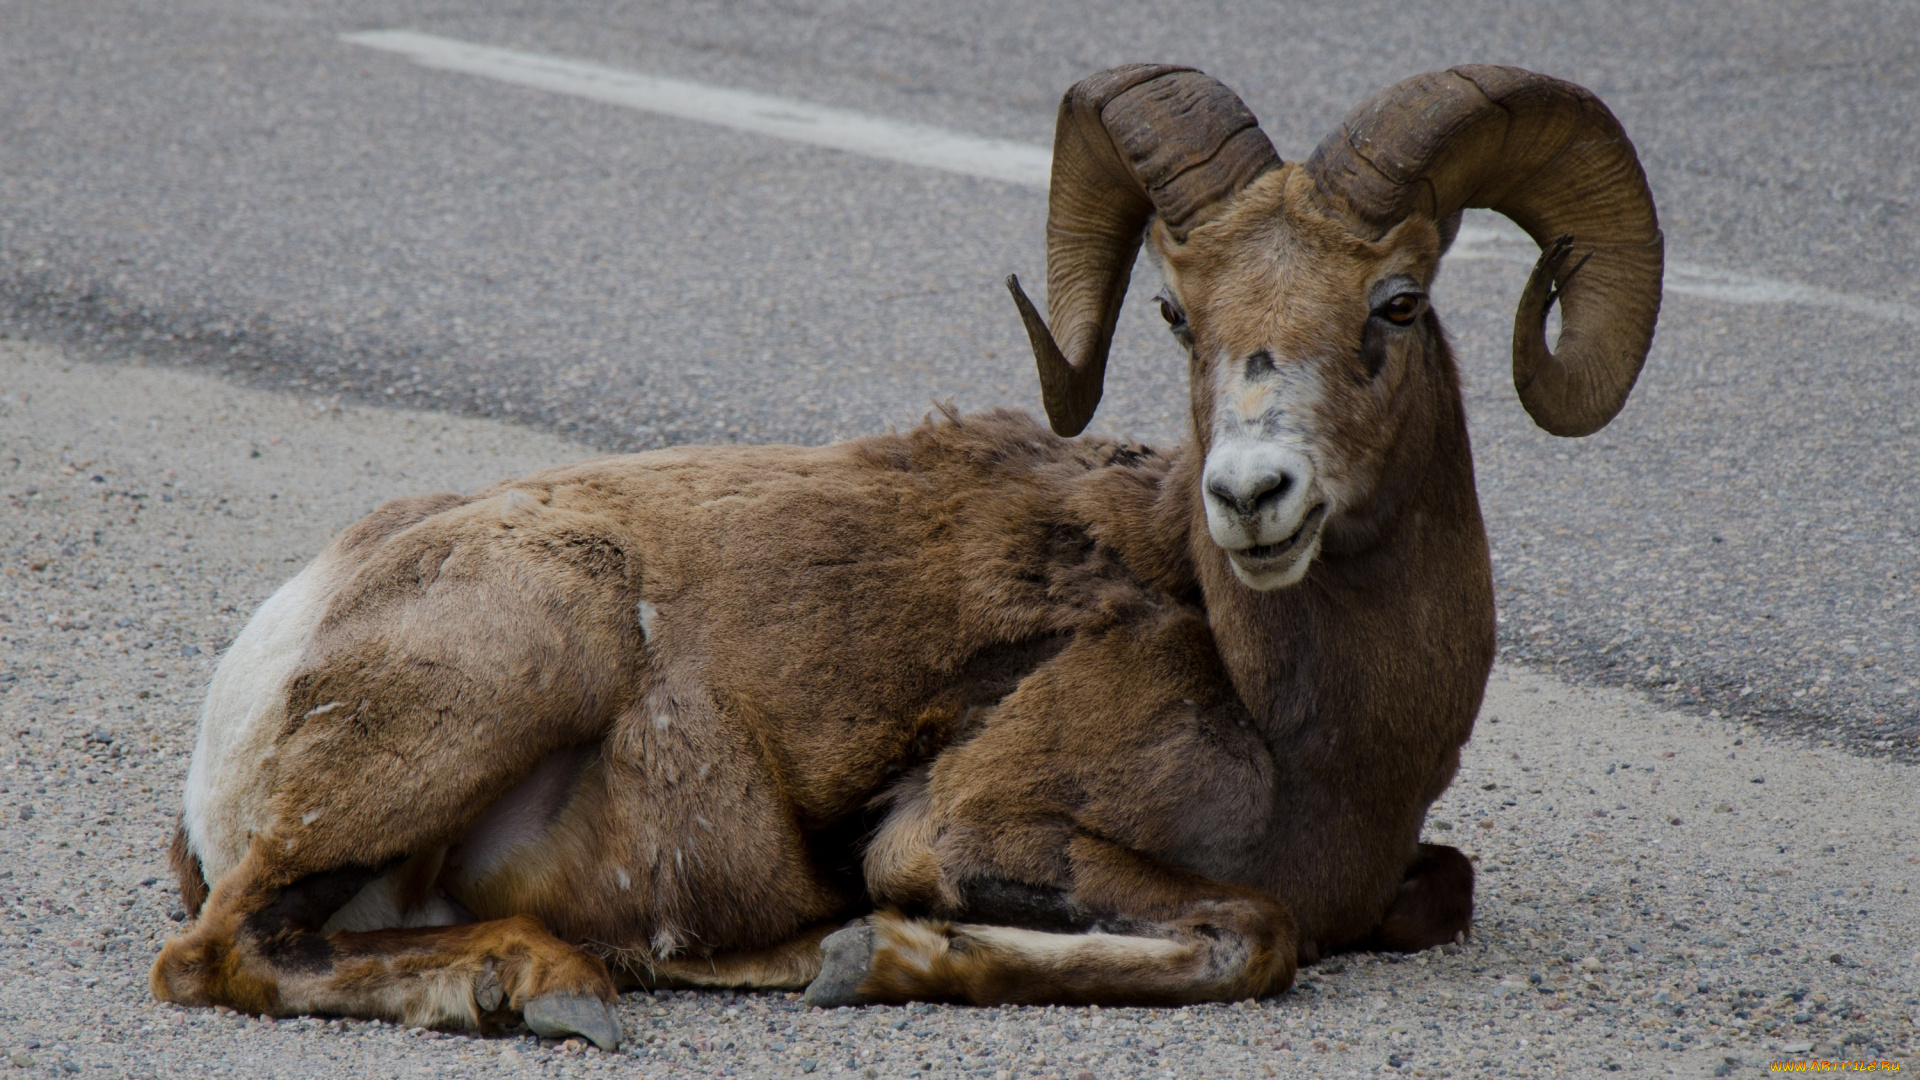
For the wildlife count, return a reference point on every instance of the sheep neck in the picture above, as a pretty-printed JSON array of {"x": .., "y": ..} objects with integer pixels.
[{"x": 1365, "y": 678}]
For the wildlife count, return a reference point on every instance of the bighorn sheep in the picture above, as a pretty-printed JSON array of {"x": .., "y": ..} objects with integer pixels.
[{"x": 1073, "y": 720}]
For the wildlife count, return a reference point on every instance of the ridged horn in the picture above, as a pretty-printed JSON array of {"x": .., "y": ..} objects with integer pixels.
[
  {"x": 1550, "y": 156},
  {"x": 1130, "y": 142}
]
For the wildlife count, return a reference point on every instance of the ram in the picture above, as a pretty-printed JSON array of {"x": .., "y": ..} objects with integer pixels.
[{"x": 978, "y": 712}]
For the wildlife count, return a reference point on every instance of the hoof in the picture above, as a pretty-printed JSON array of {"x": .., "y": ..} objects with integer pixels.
[
  {"x": 848, "y": 957},
  {"x": 556, "y": 1016}
]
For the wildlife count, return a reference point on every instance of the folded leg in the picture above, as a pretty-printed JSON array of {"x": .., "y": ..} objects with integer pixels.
[
  {"x": 421, "y": 667},
  {"x": 790, "y": 965},
  {"x": 1129, "y": 931},
  {"x": 1074, "y": 849},
  {"x": 261, "y": 947}
]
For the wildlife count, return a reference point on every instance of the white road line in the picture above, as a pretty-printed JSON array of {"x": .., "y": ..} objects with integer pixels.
[
  {"x": 743, "y": 110},
  {"x": 1492, "y": 238},
  {"x": 971, "y": 155}
]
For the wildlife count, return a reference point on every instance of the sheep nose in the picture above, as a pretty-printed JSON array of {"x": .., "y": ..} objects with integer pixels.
[{"x": 1248, "y": 494}]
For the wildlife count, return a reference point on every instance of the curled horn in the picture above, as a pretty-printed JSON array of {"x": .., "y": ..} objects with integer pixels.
[
  {"x": 1550, "y": 156},
  {"x": 1131, "y": 142}
]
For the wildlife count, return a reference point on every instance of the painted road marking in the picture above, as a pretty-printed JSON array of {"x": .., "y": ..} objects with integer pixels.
[
  {"x": 1487, "y": 238},
  {"x": 743, "y": 110}
]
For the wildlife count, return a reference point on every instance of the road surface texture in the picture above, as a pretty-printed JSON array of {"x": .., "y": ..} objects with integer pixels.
[
  {"x": 1658, "y": 892},
  {"x": 230, "y": 188}
]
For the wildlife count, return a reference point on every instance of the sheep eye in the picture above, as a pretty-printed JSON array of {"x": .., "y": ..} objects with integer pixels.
[
  {"x": 1170, "y": 313},
  {"x": 1402, "y": 309}
]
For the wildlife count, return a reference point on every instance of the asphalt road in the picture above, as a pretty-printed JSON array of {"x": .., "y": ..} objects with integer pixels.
[{"x": 228, "y": 184}]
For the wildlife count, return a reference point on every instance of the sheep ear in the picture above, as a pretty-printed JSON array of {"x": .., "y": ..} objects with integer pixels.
[{"x": 1449, "y": 227}]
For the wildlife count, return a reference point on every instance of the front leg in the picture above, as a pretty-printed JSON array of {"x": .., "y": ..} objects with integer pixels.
[
  {"x": 1085, "y": 846},
  {"x": 1130, "y": 931},
  {"x": 1434, "y": 905}
]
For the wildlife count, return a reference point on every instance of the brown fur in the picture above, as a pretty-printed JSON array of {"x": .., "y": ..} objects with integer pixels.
[
  {"x": 790, "y": 965},
  {"x": 1023, "y": 653},
  {"x": 1434, "y": 905},
  {"x": 186, "y": 872}
]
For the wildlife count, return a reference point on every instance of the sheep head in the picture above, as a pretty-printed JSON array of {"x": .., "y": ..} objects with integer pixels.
[{"x": 1300, "y": 290}]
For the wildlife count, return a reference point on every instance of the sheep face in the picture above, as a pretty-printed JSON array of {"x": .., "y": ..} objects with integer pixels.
[
  {"x": 1310, "y": 350},
  {"x": 1319, "y": 376}
]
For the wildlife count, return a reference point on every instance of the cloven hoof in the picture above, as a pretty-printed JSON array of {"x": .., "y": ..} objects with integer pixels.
[
  {"x": 556, "y": 1016},
  {"x": 847, "y": 959}
]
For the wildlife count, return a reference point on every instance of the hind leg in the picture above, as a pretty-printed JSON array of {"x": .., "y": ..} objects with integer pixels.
[
  {"x": 259, "y": 946},
  {"x": 322, "y": 912},
  {"x": 359, "y": 803},
  {"x": 427, "y": 662}
]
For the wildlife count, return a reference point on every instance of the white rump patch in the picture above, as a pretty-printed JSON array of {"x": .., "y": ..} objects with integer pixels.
[
  {"x": 647, "y": 613},
  {"x": 226, "y": 796}
]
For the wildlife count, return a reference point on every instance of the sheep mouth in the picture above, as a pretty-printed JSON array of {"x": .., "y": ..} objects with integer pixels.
[
  {"x": 1284, "y": 563},
  {"x": 1309, "y": 528}
]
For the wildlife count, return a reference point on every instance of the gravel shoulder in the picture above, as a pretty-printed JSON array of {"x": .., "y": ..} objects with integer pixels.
[{"x": 1659, "y": 893}]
